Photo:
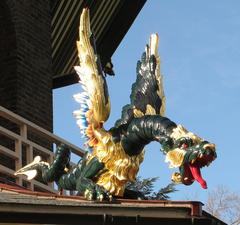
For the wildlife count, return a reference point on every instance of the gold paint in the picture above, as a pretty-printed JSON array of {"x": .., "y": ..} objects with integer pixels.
[
  {"x": 66, "y": 170},
  {"x": 120, "y": 167},
  {"x": 138, "y": 113},
  {"x": 101, "y": 197},
  {"x": 175, "y": 157},
  {"x": 176, "y": 178},
  {"x": 91, "y": 78},
  {"x": 88, "y": 195},
  {"x": 210, "y": 146},
  {"x": 193, "y": 161},
  {"x": 154, "y": 39},
  {"x": 150, "y": 110},
  {"x": 180, "y": 132}
]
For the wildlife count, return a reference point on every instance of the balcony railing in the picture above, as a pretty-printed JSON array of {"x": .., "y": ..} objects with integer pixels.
[{"x": 19, "y": 149}]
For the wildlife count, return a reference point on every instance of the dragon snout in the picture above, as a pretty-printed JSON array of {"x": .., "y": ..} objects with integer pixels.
[
  {"x": 209, "y": 153},
  {"x": 206, "y": 155},
  {"x": 210, "y": 146}
]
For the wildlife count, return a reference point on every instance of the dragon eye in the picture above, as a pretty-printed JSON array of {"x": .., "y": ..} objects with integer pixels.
[
  {"x": 184, "y": 142},
  {"x": 184, "y": 146}
]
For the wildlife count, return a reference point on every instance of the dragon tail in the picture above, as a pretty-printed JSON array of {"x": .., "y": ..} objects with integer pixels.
[
  {"x": 68, "y": 181},
  {"x": 59, "y": 166},
  {"x": 49, "y": 173}
]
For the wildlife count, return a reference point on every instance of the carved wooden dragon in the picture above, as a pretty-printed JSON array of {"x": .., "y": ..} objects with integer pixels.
[{"x": 116, "y": 154}]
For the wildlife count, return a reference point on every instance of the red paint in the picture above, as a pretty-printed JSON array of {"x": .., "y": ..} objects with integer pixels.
[{"x": 195, "y": 170}]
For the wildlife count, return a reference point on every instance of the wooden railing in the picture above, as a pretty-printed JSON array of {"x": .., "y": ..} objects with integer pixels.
[{"x": 18, "y": 147}]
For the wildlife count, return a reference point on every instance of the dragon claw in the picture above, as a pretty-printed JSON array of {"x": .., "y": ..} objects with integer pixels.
[
  {"x": 110, "y": 198},
  {"x": 100, "y": 197},
  {"x": 88, "y": 194},
  {"x": 101, "y": 194},
  {"x": 97, "y": 193}
]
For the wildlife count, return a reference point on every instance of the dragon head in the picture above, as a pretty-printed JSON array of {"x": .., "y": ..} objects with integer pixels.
[{"x": 190, "y": 153}]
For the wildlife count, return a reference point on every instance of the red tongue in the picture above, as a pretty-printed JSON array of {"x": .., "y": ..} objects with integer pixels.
[{"x": 197, "y": 175}]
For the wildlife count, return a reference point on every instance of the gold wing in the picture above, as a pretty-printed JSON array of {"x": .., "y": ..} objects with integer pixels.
[{"x": 94, "y": 100}]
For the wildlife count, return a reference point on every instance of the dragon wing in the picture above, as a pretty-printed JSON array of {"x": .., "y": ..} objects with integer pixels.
[
  {"x": 94, "y": 100},
  {"x": 147, "y": 97}
]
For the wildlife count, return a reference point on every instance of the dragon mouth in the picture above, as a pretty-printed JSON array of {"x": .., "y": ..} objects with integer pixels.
[{"x": 192, "y": 170}]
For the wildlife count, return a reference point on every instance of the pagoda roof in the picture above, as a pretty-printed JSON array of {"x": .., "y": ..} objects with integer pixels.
[{"x": 110, "y": 21}]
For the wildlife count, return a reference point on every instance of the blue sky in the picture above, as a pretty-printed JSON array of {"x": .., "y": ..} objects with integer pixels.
[{"x": 200, "y": 61}]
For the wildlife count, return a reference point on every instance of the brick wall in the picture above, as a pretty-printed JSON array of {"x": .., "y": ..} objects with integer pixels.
[{"x": 25, "y": 59}]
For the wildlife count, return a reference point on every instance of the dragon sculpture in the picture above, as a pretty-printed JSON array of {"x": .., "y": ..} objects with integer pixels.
[{"x": 116, "y": 154}]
